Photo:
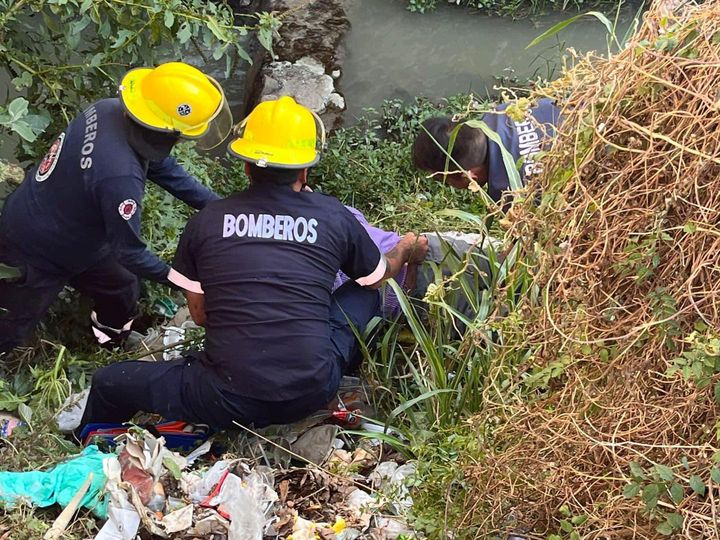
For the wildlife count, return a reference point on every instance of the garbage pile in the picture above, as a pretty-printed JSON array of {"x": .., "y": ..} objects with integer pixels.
[{"x": 143, "y": 488}]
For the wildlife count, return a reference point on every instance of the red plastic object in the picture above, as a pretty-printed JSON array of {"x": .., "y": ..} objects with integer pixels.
[
  {"x": 214, "y": 493},
  {"x": 347, "y": 418}
]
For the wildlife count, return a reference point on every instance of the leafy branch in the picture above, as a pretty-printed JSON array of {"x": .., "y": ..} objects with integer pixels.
[{"x": 63, "y": 54}]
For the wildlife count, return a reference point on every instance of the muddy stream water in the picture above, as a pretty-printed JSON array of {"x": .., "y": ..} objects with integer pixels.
[{"x": 393, "y": 53}]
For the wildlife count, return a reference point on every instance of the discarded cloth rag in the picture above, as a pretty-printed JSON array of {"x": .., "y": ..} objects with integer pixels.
[{"x": 59, "y": 484}]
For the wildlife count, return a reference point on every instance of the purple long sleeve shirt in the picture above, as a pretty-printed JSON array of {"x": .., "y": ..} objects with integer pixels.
[{"x": 385, "y": 241}]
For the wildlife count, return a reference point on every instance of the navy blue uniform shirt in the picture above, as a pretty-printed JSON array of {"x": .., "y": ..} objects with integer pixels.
[
  {"x": 266, "y": 260},
  {"x": 522, "y": 139},
  {"x": 83, "y": 200}
]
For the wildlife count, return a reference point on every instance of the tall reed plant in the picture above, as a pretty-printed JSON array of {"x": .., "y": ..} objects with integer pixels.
[{"x": 436, "y": 365}]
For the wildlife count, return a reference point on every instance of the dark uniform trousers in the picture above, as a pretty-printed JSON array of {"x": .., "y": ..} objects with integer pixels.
[
  {"x": 25, "y": 300},
  {"x": 188, "y": 389}
]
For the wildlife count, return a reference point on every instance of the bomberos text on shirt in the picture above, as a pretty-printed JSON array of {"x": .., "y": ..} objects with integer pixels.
[{"x": 278, "y": 227}]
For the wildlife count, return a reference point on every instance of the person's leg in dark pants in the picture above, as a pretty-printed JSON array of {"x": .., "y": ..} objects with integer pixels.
[
  {"x": 115, "y": 291},
  {"x": 24, "y": 300},
  {"x": 180, "y": 389},
  {"x": 352, "y": 307},
  {"x": 351, "y": 310},
  {"x": 184, "y": 390},
  {"x": 187, "y": 390}
]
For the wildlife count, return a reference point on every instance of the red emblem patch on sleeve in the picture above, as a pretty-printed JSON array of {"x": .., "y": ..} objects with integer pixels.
[
  {"x": 47, "y": 165},
  {"x": 127, "y": 209}
]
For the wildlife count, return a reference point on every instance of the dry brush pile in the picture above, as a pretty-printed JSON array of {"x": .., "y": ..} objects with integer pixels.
[{"x": 617, "y": 434}]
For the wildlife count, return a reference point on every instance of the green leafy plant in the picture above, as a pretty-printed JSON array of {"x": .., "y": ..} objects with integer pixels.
[
  {"x": 700, "y": 363},
  {"x": 17, "y": 118},
  {"x": 9, "y": 398},
  {"x": 52, "y": 385},
  {"x": 439, "y": 482},
  {"x": 569, "y": 524},
  {"x": 62, "y": 54},
  {"x": 421, "y": 6},
  {"x": 513, "y": 8},
  {"x": 663, "y": 489}
]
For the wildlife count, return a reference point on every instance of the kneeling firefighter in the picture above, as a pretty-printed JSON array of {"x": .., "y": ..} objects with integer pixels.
[
  {"x": 75, "y": 219},
  {"x": 262, "y": 263}
]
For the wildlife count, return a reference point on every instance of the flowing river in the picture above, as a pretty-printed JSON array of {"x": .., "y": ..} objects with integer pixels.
[{"x": 393, "y": 53}]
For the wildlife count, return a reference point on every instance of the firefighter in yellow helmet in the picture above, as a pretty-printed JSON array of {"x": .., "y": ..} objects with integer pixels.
[
  {"x": 76, "y": 217},
  {"x": 263, "y": 262}
]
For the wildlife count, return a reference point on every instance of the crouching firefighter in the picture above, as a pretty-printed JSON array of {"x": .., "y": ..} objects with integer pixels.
[
  {"x": 75, "y": 219},
  {"x": 262, "y": 263}
]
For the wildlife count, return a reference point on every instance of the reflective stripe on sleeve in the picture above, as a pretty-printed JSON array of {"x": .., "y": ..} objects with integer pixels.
[
  {"x": 186, "y": 283},
  {"x": 105, "y": 334},
  {"x": 376, "y": 275},
  {"x": 98, "y": 324},
  {"x": 101, "y": 336}
]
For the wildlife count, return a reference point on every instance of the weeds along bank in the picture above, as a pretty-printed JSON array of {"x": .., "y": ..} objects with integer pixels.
[
  {"x": 513, "y": 8},
  {"x": 609, "y": 427}
]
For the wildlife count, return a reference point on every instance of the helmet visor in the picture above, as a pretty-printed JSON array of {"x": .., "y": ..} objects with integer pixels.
[{"x": 218, "y": 128}]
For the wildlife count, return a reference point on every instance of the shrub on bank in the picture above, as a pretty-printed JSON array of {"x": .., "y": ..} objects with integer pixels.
[{"x": 609, "y": 428}]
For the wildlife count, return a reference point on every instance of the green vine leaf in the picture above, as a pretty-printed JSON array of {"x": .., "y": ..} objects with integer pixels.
[
  {"x": 650, "y": 496},
  {"x": 664, "y": 472},
  {"x": 631, "y": 490},
  {"x": 637, "y": 471},
  {"x": 677, "y": 493},
  {"x": 675, "y": 520},
  {"x": 715, "y": 475},
  {"x": 697, "y": 485},
  {"x": 169, "y": 18}
]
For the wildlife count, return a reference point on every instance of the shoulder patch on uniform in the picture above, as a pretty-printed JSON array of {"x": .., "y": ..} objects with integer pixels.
[
  {"x": 47, "y": 165},
  {"x": 127, "y": 209}
]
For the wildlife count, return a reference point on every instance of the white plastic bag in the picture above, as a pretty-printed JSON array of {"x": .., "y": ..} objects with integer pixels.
[
  {"x": 249, "y": 504},
  {"x": 71, "y": 412}
]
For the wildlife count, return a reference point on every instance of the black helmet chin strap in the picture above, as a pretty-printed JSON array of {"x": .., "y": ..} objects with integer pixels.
[{"x": 149, "y": 144}]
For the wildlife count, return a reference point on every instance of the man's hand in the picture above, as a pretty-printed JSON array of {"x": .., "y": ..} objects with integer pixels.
[
  {"x": 196, "y": 304},
  {"x": 418, "y": 248},
  {"x": 411, "y": 249}
]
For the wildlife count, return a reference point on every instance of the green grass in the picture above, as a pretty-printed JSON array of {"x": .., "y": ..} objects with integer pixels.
[{"x": 368, "y": 166}]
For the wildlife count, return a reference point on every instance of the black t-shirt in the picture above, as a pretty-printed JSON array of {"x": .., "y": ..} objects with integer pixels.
[{"x": 266, "y": 260}]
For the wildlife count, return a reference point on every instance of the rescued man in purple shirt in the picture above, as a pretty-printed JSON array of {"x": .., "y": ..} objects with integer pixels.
[{"x": 443, "y": 249}]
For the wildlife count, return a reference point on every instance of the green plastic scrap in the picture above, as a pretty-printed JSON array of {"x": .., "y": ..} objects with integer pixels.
[
  {"x": 166, "y": 307},
  {"x": 59, "y": 484}
]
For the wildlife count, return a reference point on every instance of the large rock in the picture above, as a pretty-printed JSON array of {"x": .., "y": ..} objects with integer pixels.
[
  {"x": 307, "y": 58},
  {"x": 311, "y": 28},
  {"x": 10, "y": 177},
  {"x": 304, "y": 80},
  {"x": 11, "y": 173}
]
